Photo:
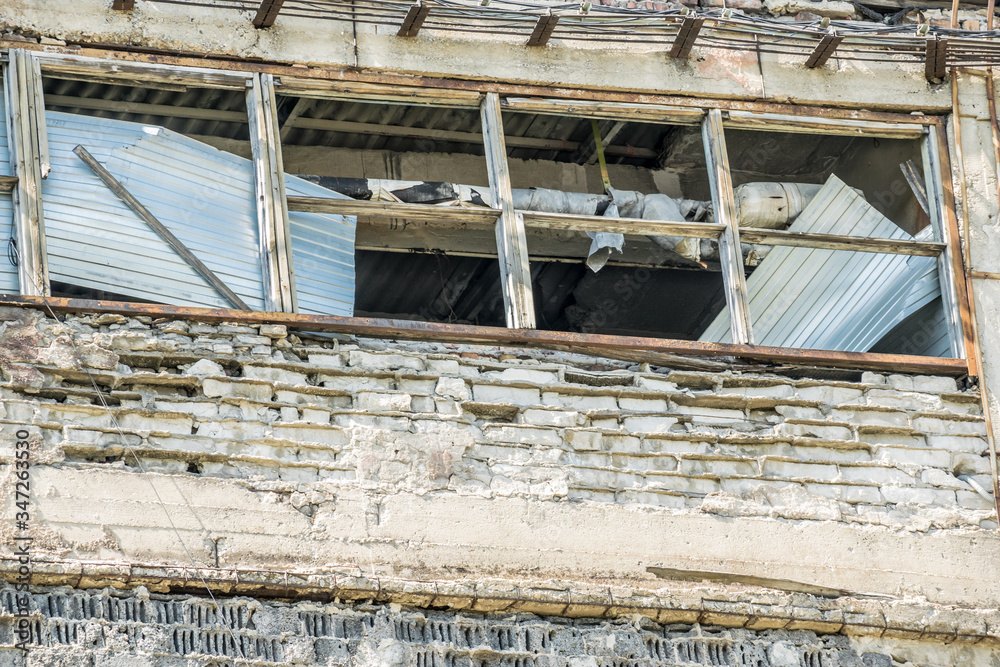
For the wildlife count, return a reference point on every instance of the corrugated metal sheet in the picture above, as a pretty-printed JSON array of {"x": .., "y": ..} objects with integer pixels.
[
  {"x": 8, "y": 272},
  {"x": 203, "y": 195},
  {"x": 322, "y": 254},
  {"x": 925, "y": 332},
  {"x": 835, "y": 299}
]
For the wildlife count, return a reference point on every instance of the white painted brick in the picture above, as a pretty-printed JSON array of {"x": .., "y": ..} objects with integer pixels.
[
  {"x": 289, "y": 414},
  {"x": 422, "y": 404},
  {"x": 656, "y": 384},
  {"x": 912, "y": 440},
  {"x": 958, "y": 443},
  {"x": 385, "y": 361},
  {"x": 935, "y": 458},
  {"x": 452, "y": 388},
  {"x": 707, "y": 415},
  {"x": 324, "y": 435},
  {"x": 828, "y": 395},
  {"x": 447, "y": 407},
  {"x": 972, "y": 500},
  {"x": 273, "y": 374},
  {"x": 892, "y": 419},
  {"x": 945, "y": 480},
  {"x": 239, "y": 431},
  {"x": 199, "y": 409},
  {"x": 648, "y": 424},
  {"x": 773, "y": 391},
  {"x": 254, "y": 391},
  {"x": 525, "y": 375},
  {"x": 915, "y": 496},
  {"x": 830, "y": 454},
  {"x": 850, "y": 494},
  {"x": 606, "y": 423},
  {"x": 326, "y": 360},
  {"x": 382, "y": 402},
  {"x": 799, "y": 412},
  {"x": 524, "y": 435},
  {"x": 903, "y": 400},
  {"x": 156, "y": 421},
  {"x": 489, "y": 393},
  {"x": 874, "y": 475},
  {"x": 872, "y": 378},
  {"x": 971, "y": 464},
  {"x": 444, "y": 366},
  {"x": 934, "y": 384},
  {"x": 204, "y": 367},
  {"x": 642, "y": 404},
  {"x": 681, "y": 447},
  {"x": 354, "y": 383},
  {"x": 793, "y": 470},
  {"x": 618, "y": 442},
  {"x": 551, "y": 417},
  {"x": 418, "y": 387},
  {"x": 581, "y": 402},
  {"x": 683, "y": 484},
  {"x": 821, "y": 431},
  {"x": 948, "y": 426},
  {"x": 273, "y": 330},
  {"x": 900, "y": 382},
  {"x": 718, "y": 468},
  {"x": 314, "y": 416},
  {"x": 583, "y": 440}
]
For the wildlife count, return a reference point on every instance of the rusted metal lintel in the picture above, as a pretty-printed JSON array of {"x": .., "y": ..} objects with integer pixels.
[
  {"x": 7, "y": 183},
  {"x": 936, "y": 55},
  {"x": 178, "y": 58},
  {"x": 123, "y": 5},
  {"x": 627, "y": 347},
  {"x": 414, "y": 18},
  {"x": 824, "y": 50},
  {"x": 686, "y": 36},
  {"x": 543, "y": 29},
  {"x": 267, "y": 13}
]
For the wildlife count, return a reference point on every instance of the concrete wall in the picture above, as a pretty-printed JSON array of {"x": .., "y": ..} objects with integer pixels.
[{"x": 273, "y": 450}]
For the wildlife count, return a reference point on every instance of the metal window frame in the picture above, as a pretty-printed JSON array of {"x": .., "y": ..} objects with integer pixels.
[{"x": 713, "y": 116}]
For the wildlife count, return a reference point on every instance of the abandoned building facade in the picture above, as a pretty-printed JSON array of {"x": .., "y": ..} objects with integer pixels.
[{"x": 465, "y": 333}]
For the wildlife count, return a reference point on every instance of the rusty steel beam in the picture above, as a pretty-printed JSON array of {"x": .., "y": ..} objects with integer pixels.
[
  {"x": 686, "y": 36},
  {"x": 267, "y": 13},
  {"x": 414, "y": 18},
  {"x": 936, "y": 55},
  {"x": 824, "y": 50},
  {"x": 633, "y": 348},
  {"x": 543, "y": 29}
]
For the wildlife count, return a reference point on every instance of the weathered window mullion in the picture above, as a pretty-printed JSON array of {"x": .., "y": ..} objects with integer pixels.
[
  {"x": 724, "y": 205},
  {"x": 28, "y": 157},
  {"x": 946, "y": 261},
  {"x": 272, "y": 205},
  {"x": 512, "y": 244}
]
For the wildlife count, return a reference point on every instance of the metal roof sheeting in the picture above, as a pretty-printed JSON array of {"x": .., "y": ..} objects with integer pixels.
[
  {"x": 8, "y": 272},
  {"x": 835, "y": 299},
  {"x": 322, "y": 254},
  {"x": 203, "y": 195}
]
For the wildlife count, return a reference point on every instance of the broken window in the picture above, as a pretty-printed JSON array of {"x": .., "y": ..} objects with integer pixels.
[
  {"x": 844, "y": 237},
  {"x": 598, "y": 192},
  {"x": 415, "y": 178}
]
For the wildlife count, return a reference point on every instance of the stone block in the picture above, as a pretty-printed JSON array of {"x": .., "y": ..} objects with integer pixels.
[
  {"x": 815, "y": 430},
  {"x": 858, "y": 417},
  {"x": 972, "y": 500},
  {"x": 959, "y": 443},
  {"x": 970, "y": 464},
  {"x": 949, "y": 426},
  {"x": 314, "y": 416},
  {"x": 901, "y": 495},
  {"x": 273, "y": 330},
  {"x": 523, "y": 376},
  {"x": 542, "y": 417},
  {"x": 490, "y": 393},
  {"x": 827, "y": 394},
  {"x": 380, "y": 402},
  {"x": 649, "y": 424},
  {"x": 657, "y": 384},
  {"x": 583, "y": 403},
  {"x": 254, "y": 391},
  {"x": 798, "y": 471},
  {"x": 326, "y": 360},
  {"x": 384, "y": 361},
  {"x": 934, "y": 384},
  {"x": 629, "y": 404},
  {"x": 353, "y": 383},
  {"x": 204, "y": 367},
  {"x": 455, "y": 388},
  {"x": 289, "y": 414},
  {"x": 903, "y": 400},
  {"x": 583, "y": 440},
  {"x": 945, "y": 480},
  {"x": 874, "y": 475},
  {"x": 323, "y": 435},
  {"x": 272, "y": 374},
  {"x": 933, "y": 458},
  {"x": 523, "y": 435}
]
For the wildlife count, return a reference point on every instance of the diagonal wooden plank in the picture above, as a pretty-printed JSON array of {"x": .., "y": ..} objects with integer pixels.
[
  {"x": 543, "y": 29},
  {"x": 936, "y": 54},
  {"x": 686, "y": 36},
  {"x": 267, "y": 13},
  {"x": 414, "y": 18},
  {"x": 115, "y": 186},
  {"x": 824, "y": 50}
]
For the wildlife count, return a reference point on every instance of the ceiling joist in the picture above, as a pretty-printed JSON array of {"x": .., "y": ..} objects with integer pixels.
[
  {"x": 267, "y": 13},
  {"x": 415, "y": 17}
]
